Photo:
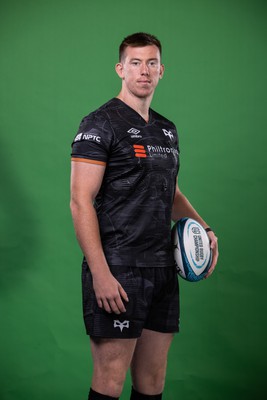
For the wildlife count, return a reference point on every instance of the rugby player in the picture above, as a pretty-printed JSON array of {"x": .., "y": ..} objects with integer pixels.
[{"x": 124, "y": 195}]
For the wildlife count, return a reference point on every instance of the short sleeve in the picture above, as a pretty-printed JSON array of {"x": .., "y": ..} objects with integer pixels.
[{"x": 93, "y": 140}]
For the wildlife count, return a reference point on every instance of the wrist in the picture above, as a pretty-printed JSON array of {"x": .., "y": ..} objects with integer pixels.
[
  {"x": 100, "y": 271},
  {"x": 208, "y": 229}
]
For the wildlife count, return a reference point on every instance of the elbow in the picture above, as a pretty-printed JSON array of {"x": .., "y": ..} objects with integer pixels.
[
  {"x": 80, "y": 206},
  {"x": 74, "y": 207}
]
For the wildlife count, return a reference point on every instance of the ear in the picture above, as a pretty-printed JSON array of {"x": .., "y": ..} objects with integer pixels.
[
  {"x": 161, "y": 72},
  {"x": 119, "y": 70}
]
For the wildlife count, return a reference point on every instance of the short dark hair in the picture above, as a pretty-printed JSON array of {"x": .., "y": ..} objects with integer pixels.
[{"x": 139, "y": 39}]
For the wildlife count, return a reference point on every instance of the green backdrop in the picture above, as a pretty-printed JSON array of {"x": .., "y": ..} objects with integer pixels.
[{"x": 57, "y": 64}]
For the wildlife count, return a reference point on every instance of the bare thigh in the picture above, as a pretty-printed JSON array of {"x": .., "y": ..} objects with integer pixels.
[
  {"x": 149, "y": 362},
  {"x": 111, "y": 360}
]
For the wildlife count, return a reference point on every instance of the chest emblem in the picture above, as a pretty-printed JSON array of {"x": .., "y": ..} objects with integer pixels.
[{"x": 168, "y": 133}]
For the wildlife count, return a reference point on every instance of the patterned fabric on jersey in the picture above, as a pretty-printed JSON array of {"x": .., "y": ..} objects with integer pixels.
[{"x": 135, "y": 200}]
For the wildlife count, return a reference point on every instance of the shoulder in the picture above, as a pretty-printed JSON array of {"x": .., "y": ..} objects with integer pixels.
[
  {"x": 161, "y": 119},
  {"x": 99, "y": 115},
  {"x": 167, "y": 126},
  {"x": 96, "y": 127}
]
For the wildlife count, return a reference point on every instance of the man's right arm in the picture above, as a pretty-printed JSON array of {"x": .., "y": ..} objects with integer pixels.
[{"x": 86, "y": 180}]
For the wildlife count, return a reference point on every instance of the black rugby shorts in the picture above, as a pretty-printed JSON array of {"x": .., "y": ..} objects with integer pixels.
[{"x": 153, "y": 303}]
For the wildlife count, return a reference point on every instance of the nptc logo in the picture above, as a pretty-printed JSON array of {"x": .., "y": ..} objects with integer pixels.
[
  {"x": 121, "y": 325},
  {"x": 78, "y": 137}
]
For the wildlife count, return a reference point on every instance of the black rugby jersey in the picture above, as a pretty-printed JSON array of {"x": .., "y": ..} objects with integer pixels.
[{"x": 135, "y": 199}]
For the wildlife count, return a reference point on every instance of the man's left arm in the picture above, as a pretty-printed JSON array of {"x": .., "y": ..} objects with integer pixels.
[{"x": 183, "y": 208}]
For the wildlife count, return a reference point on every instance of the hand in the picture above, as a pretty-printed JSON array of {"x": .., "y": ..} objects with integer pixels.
[
  {"x": 215, "y": 252},
  {"x": 109, "y": 293}
]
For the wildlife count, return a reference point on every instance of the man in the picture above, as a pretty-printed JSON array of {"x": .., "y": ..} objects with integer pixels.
[{"x": 124, "y": 193}]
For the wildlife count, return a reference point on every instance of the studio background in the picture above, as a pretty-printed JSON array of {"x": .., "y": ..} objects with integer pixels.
[{"x": 57, "y": 65}]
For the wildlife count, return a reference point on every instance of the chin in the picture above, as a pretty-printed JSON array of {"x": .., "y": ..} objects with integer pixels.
[{"x": 143, "y": 93}]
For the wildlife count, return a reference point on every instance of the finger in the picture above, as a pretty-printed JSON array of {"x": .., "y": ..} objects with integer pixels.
[
  {"x": 115, "y": 307},
  {"x": 213, "y": 264},
  {"x": 209, "y": 273},
  {"x": 99, "y": 303},
  {"x": 106, "y": 306},
  {"x": 123, "y": 293},
  {"x": 120, "y": 304},
  {"x": 213, "y": 243}
]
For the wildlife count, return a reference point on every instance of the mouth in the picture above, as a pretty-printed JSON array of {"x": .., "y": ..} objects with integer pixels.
[{"x": 144, "y": 82}]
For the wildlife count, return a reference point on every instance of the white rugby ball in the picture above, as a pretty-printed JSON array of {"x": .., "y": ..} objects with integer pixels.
[{"x": 192, "y": 252}]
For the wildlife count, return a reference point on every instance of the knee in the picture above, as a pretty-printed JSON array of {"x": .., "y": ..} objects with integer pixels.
[
  {"x": 156, "y": 382},
  {"x": 114, "y": 384},
  {"x": 150, "y": 383},
  {"x": 108, "y": 380}
]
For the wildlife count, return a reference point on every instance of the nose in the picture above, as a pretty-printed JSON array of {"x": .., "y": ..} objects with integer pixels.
[{"x": 144, "y": 69}]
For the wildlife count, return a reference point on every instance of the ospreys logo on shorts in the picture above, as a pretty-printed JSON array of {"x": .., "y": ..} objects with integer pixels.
[{"x": 121, "y": 325}]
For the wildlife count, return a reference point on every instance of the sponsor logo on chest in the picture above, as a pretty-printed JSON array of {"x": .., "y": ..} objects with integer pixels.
[
  {"x": 153, "y": 150},
  {"x": 144, "y": 151}
]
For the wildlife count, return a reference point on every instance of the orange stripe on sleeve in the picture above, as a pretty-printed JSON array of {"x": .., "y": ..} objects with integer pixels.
[{"x": 77, "y": 159}]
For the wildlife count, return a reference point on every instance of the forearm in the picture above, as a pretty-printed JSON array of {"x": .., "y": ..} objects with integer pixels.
[
  {"x": 108, "y": 291},
  {"x": 87, "y": 232},
  {"x": 183, "y": 208},
  {"x": 86, "y": 180}
]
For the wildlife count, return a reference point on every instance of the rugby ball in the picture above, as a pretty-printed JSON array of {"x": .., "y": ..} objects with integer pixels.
[{"x": 192, "y": 252}]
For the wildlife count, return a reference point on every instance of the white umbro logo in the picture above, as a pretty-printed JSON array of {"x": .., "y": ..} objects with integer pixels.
[
  {"x": 168, "y": 133},
  {"x": 121, "y": 325},
  {"x": 133, "y": 130}
]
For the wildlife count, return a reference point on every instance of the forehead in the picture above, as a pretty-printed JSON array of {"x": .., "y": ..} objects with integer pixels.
[{"x": 145, "y": 52}]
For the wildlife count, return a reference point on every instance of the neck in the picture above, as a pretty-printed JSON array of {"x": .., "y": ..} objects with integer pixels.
[{"x": 140, "y": 105}]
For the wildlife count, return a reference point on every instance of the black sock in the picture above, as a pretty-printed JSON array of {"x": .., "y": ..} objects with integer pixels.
[
  {"x": 98, "y": 396},
  {"x": 139, "y": 396}
]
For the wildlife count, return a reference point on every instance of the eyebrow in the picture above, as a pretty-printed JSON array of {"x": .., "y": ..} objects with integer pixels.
[{"x": 138, "y": 59}]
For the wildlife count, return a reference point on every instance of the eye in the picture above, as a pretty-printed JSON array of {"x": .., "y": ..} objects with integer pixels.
[
  {"x": 135, "y": 63},
  {"x": 153, "y": 63}
]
